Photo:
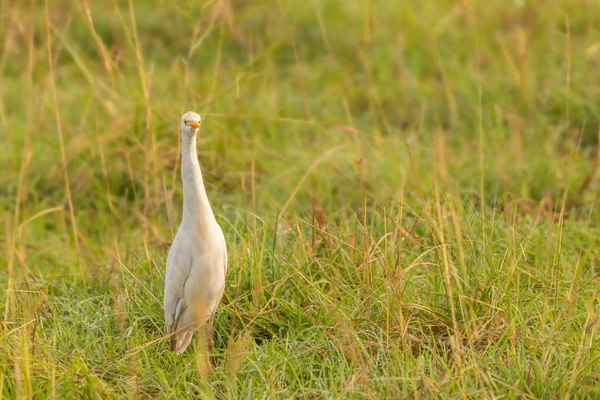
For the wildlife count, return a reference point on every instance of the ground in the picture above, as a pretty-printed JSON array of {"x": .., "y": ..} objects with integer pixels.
[{"x": 407, "y": 188}]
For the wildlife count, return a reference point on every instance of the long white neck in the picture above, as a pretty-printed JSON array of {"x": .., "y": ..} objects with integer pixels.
[{"x": 197, "y": 213}]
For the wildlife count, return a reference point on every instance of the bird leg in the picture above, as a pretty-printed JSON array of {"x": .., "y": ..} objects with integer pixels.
[
  {"x": 210, "y": 340},
  {"x": 210, "y": 334}
]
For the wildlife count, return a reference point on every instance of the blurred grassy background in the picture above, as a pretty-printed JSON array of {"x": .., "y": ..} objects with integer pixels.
[{"x": 407, "y": 189}]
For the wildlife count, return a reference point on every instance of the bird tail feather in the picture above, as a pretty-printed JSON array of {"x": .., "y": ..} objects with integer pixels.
[
  {"x": 180, "y": 335},
  {"x": 181, "y": 340}
]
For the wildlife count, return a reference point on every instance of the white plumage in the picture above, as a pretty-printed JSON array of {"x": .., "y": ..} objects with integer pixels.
[{"x": 197, "y": 262}]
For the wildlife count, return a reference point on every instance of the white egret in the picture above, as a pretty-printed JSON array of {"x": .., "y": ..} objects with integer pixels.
[{"x": 197, "y": 261}]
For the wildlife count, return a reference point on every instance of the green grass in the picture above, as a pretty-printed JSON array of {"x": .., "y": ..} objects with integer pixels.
[{"x": 408, "y": 191}]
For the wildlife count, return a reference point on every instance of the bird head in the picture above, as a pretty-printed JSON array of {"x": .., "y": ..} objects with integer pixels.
[{"x": 190, "y": 123}]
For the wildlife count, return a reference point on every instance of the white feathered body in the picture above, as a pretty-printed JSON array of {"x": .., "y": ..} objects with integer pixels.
[{"x": 194, "y": 283}]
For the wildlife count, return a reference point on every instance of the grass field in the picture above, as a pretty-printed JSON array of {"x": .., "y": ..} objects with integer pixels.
[{"x": 408, "y": 191}]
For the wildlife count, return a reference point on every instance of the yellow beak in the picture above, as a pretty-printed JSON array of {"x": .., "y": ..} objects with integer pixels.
[{"x": 194, "y": 124}]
